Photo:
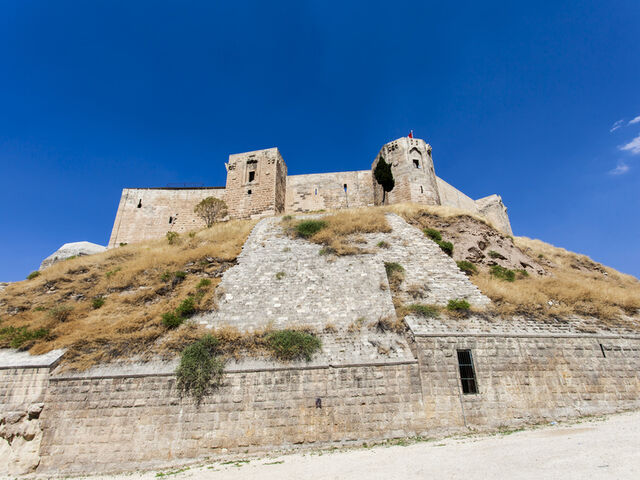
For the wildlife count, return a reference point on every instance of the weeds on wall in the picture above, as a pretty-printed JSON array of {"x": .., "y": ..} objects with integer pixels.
[
  {"x": 200, "y": 368},
  {"x": 458, "y": 305},
  {"x": 172, "y": 238},
  {"x": 289, "y": 345},
  {"x": 436, "y": 236}
]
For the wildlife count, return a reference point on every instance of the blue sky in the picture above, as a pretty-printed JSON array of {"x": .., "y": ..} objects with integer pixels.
[{"x": 536, "y": 101}]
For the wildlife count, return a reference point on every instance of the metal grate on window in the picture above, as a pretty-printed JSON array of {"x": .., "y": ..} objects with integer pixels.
[{"x": 467, "y": 373}]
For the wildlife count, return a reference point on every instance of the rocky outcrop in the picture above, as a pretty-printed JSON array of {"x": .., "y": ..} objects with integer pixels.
[
  {"x": 478, "y": 243},
  {"x": 68, "y": 250}
]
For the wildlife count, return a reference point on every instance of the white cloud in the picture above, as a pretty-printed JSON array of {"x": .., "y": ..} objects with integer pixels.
[
  {"x": 620, "y": 169},
  {"x": 617, "y": 125},
  {"x": 633, "y": 146},
  {"x": 635, "y": 120}
]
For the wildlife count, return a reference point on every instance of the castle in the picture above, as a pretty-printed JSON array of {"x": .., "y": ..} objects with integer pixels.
[{"x": 258, "y": 186}]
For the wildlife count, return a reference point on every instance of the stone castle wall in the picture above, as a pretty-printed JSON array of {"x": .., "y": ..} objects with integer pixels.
[
  {"x": 123, "y": 421},
  {"x": 148, "y": 213},
  {"x": 258, "y": 186},
  {"x": 327, "y": 191}
]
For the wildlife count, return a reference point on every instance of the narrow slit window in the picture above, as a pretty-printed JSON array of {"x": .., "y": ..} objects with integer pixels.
[
  {"x": 252, "y": 176},
  {"x": 345, "y": 187},
  {"x": 140, "y": 203},
  {"x": 416, "y": 163},
  {"x": 170, "y": 220},
  {"x": 249, "y": 192},
  {"x": 602, "y": 350},
  {"x": 467, "y": 372},
  {"x": 421, "y": 189},
  {"x": 316, "y": 191}
]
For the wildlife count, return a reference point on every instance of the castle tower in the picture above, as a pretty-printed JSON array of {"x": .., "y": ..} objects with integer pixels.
[
  {"x": 413, "y": 172},
  {"x": 256, "y": 184}
]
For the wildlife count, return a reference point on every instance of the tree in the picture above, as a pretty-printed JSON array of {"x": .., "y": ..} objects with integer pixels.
[
  {"x": 211, "y": 210},
  {"x": 384, "y": 177}
]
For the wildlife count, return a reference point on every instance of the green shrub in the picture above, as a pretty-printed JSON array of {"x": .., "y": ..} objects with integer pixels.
[
  {"x": 166, "y": 276},
  {"x": 186, "y": 308},
  {"x": 292, "y": 345},
  {"x": 21, "y": 336},
  {"x": 383, "y": 244},
  {"x": 326, "y": 251},
  {"x": 447, "y": 247},
  {"x": 458, "y": 305},
  {"x": 33, "y": 275},
  {"x": 494, "y": 254},
  {"x": 180, "y": 275},
  {"x": 171, "y": 320},
  {"x": 205, "y": 282},
  {"x": 503, "y": 273},
  {"x": 40, "y": 308},
  {"x": 308, "y": 228},
  {"x": 393, "y": 267},
  {"x": 200, "y": 369},
  {"x": 467, "y": 267},
  {"x": 61, "y": 313},
  {"x": 280, "y": 275},
  {"x": 522, "y": 273},
  {"x": 97, "y": 302},
  {"x": 433, "y": 234},
  {"x": 172, "y": 238},
  {"x": 428, "y": 311},
  {"x": 123, "y": 244},
  {"x": 192, "y": 234},
  {"x": 287, "y": 218}
]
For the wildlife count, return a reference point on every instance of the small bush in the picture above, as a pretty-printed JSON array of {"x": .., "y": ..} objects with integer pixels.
[
  {"x": 447, "y": 247},
  {"x": 292, "y": 345},
  {"x": 123, "y": 244},
  {"x": 494, "y": 254},
  {"x": 383, "y": 244},
  {"x": 522, "y": 273},
  {"x": 393, "y": 267},
  {"x": 433, "y": 234},
  {"x": 61, "y": 313},
  {"x": 308, "y": 228},
  {"x": 192, "y": 234},
  {"x": 280, "y": 275},
  {"x": 186, "y": 308},
  {"x": 287, "y": 218},
  {"x": 40, "y": 309},
  {"x": 428, "y": 311},
  {"x": 180, "y": 275},
  {"x": 200, "y": 369},
  {"x": 97, "y": 302},
  {"x": 21, "y": 336},
  {"x": 33, "y": 275},
  {"x": 458, "y": 305},
  {"x": 326, "y": 251},
  {"x": 171, "y": 320},
  {"x": 503, "y": 273},
  {"x": 172, "y": 238},
  {"x": 205, "y": 282},
  {"x": 467, "y": 267}
]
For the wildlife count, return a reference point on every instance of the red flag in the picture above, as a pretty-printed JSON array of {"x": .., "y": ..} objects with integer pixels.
[{"x": 411, "y": 134}]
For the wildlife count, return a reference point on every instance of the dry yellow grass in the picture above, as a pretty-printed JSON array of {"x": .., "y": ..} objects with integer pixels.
[
  {"x": 136, "y": 288},
  {"x": 575, "y": 285},
  {"x": 343, "y": 225}
]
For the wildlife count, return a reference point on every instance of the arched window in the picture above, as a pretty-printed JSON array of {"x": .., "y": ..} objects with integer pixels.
[{"x": 140, "y": 203}]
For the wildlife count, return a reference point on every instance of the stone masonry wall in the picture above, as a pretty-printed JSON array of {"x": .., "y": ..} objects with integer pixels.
[
  {"x": 452, "y": 197},
  {"x": 325, "y": 191},
  {"x": 108, "y": 423},
  {"x": 157, "y": 207}
]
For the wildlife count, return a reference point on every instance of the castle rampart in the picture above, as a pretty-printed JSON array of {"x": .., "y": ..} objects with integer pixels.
[{"x": 258, "y": 186}]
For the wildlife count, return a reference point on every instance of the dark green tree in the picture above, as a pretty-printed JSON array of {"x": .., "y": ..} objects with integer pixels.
[{"x": 384, "y": 177}]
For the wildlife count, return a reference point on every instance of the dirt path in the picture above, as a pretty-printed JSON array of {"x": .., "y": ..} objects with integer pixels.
[{"x": 606, "y": 448}]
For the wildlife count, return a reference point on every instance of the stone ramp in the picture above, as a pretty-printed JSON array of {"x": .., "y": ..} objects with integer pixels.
[{"x": 282, "y": 282}]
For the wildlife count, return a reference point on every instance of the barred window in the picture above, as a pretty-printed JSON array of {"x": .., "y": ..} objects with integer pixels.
[{"x": 467, "y": 373}]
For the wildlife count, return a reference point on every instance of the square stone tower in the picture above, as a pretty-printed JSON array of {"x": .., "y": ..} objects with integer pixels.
[
  {"x": 413, "y": 172},
  {"x": 256, "y": 184}
]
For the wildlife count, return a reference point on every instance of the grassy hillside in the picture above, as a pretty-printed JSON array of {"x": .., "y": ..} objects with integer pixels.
[{"x": 131, "y": 301}]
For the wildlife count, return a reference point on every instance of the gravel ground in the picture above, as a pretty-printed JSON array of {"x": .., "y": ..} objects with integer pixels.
[{"x": 601, "y": 448}]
